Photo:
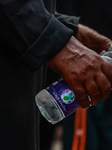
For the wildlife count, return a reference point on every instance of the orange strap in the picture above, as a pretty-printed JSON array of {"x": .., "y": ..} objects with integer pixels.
[{"x": 79, "y": 139}]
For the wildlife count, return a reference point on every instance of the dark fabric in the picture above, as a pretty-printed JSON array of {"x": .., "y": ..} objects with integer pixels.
[
  {"x": 65, "y": 6},
  {"x": 24, "y": 18},
  {"x": 54, "y": 34},
  {"x": 17, "y": 106},
  {"x": 70, "y": 21},
  {"x": 25, "y": 27}
]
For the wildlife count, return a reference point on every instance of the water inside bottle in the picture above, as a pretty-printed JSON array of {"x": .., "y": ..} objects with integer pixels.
[{"x": 48, "y": 107}]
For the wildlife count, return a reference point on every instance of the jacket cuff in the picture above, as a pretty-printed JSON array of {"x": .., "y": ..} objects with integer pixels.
[
  {"x": 54, "y": 37},
  {"x": 70, "y": 21}
]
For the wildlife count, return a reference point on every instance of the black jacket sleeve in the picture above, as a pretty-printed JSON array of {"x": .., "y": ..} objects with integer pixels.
[
  {"x": 70, "y": 21},
  {"x": 34, "y": 33}
]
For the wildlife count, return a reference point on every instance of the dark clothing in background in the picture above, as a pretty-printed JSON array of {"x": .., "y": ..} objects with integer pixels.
[
  {"x": 21, "y": 29},
  {"x": 66, "y": 7},
  {"x": 29, "y": 35}
]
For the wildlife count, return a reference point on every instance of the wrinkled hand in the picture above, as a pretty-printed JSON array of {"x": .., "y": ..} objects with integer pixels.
[
  {"x": 93, "y": 39},
  {"x": 84, "y": 71}
]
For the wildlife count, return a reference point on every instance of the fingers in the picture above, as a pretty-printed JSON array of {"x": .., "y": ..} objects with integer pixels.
[
  {"x": 93, "y": 91},
  {"x": 81, "y": 95},
  {"x": 105, "y": 42},
  {"x": 97, "y": 89},
  {"x": 104, "y": 85},
  {"x": 93, "y": 39}
]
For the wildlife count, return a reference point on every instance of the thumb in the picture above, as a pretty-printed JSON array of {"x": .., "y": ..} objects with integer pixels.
[
  {"x": 107, "y": 70},
  {"x": 106, "y": 43}
]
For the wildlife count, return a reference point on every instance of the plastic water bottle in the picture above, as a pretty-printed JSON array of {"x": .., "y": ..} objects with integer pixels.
[
  {"x": 57, "y": 101},
  {"x": 107, "y": 55}
]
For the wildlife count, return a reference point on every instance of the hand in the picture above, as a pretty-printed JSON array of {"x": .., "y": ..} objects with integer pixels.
[
  {"x": 84, "y": 71},
  {"x": 93, "y": 39}
]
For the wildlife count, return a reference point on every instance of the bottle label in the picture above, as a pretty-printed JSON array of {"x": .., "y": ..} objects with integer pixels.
[{"x": 64, "y": 96}]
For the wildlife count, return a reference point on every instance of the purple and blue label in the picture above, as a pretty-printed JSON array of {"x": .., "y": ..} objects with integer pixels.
[{"x": 64, "y": 96}]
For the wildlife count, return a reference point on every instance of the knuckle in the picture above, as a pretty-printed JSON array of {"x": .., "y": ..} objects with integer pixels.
[
  {"x": 79, "y": 74},
  {"x": 84, "y": 105},
  {"x": 83, "y": 100},
  {"x": 107, "y": 41},
  {"x": 106, "y": 91},
  {"x": 95, "y": 101},
  {"x": 89, "y": 66},
  {"x": 81, "y": 95},
  {"x": 93, "y": 89},
  {"x": 106, "y": 95},
  {"x": 96, "y": 95},
  {"x": 108, "y": 87}
]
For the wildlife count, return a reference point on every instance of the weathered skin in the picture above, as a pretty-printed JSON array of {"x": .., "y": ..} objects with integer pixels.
[
  {"x": 92, "y": 39},
  {"x": 83, "y": 69}
]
